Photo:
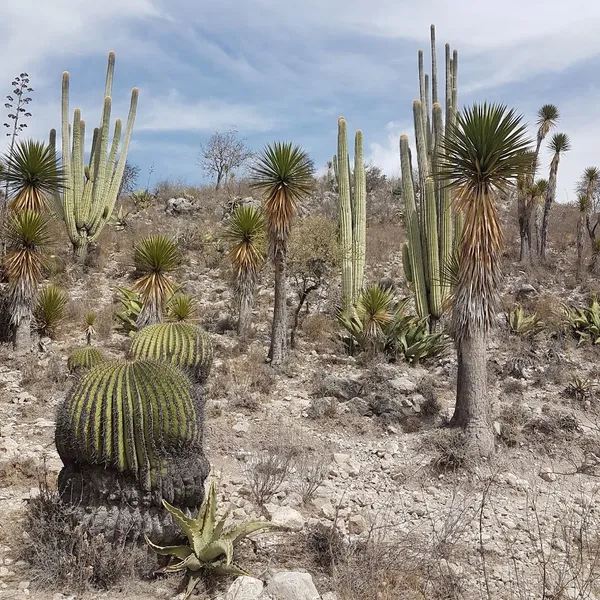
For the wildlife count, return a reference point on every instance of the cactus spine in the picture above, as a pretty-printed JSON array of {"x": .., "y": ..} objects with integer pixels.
[
  {"x": 352, "y": 214},
  {"x": 89, "y": 198},
  {"x": 432, "y": 227}
]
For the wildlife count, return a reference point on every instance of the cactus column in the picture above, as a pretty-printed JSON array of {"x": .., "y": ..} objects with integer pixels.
[
  {"x": 432, "y": 227},
  {"x": 352, "y": 215},
  {"x": 89, "y": 198}
]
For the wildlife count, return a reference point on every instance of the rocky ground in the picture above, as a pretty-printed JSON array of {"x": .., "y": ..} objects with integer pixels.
[{"x": 371, "y": 502}]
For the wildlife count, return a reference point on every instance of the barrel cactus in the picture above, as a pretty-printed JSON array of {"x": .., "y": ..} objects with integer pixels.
[
  {"x": 130, "y": 435},
  {"x": 84, "y": 359},
  {"x": 184, "y": 345}
]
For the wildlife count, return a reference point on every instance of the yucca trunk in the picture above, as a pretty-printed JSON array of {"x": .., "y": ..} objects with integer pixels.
[
  {"x": 538, "y": 227},
  {"x": 580, "y": 238},
  {"x": 550, "y": 196},
  {"x": 151, "y": 313},
  {"x": 245, "y": 301},
  {"x": 472, "y": 411},
  {"x": 524, "y": 213},
  {"x": 279, "y": 347},
  {"x": 22, "y": 333}
]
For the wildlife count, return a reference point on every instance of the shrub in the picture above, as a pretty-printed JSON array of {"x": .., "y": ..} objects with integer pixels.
[
  {"x": 451, "y": 447},
  {"x": 50, "y": 310}
]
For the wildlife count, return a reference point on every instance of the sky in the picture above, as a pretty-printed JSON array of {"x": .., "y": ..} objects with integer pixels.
[{"x": 286, "y": 70}]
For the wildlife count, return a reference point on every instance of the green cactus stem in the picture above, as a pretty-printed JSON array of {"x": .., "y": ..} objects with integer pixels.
[
  {"x": 359, "y": 220},
  {"x": 345, "y": 216},
  {"x": 89, "y": 198}
]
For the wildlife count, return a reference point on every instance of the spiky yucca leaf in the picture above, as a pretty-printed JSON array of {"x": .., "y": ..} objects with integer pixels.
[
  {"x": 33, "y": 176},
  {"x": 154, "y": 257},
  {"x": 182, "y": 307},
  {"x": 83, "y": 359},
  {"x": 548, "y": 116},
  {"x": 484, "y": 151},
  {"x": 560, "y": 142},
  {"x": 89, "y": 319},
  {"x": 50, "y": 309},
  {"x": 130, "y": 416},
  {"x": 283, "y": 173},
  {"x": 184, "y": 345},
  {"x": 245, "y": 233},
  {"x": 209, "y": 547},
  {"x": 27, "y": 236}
]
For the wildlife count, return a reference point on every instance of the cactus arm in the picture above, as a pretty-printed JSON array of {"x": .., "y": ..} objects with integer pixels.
[
  {"x": 100, "y": 174},
  {"x": 113, "y": 191},
  {"x": 110, "y": 71},
  {"x": 359, "y": 217},
  {"x": 414, "y": 233},
  {"x": 345, "y": 215},
  {"x": 68, "y": 197},
  {"x": 77, "y": 166},
  {"x": 432, "y": 245},
  {"x": 434, "y": 84},
  {"x": 422, "y": 153}
]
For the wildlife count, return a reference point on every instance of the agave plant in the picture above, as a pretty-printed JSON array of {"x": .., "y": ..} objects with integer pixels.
[
  {"x": 119, "y": 220},
  {"x": 210, "y": 548},
  {"x": 28, "y": 236},
  {"x": 141, "y": 199},
  {"x": 50, "y": 309},
  {"x": 585, "y": 322},
  {"x": 245, "y": 233},
  {"x": 33, "y": 176},
  {"x": 580, "y": 388},
  {"x": 154, "y": 257},
  {"x": 132, "y": 306},
  {"x": 182, "y": 307},
  {"x": 522, "y": 324}
]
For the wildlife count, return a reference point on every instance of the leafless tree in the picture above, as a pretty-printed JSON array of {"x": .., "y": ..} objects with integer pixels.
[{"x": 222, "y": 154}]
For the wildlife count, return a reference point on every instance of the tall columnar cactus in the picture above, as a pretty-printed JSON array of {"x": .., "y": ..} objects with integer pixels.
[
  {"x": 352, "y": 214},
  {"x": 92, "y": 190},
  {"x": 130, "y": 435},
  {"x": 432, "y": 227},
  {"x": 184, "y": 345}
]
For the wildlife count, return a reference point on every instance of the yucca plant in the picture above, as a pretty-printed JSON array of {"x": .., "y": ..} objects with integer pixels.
[
  {"x": 580, "y": 388},
  {"x": 89, "y": 319},
  {"x": 130, "y": 435},
  {"x": 210, "y": 547},
  {"x": 183, "y": 345},
  {"x": 50, "y": 309},
  {"x": 33, "y": 176},
  {"x": 520, "y": 323},
  {"x": 84, "y": 359},
  {"x": 368, "y": 322},
  {"x": 484, "y": 152},
  {"x": 154, "y": 257},
  {"x": 245, "y": 233},
  {"x": 584, "y": 322},
  {"x": 559, "y": 144},
  {"x": 28, "y": 237},
  {"x": 182, "y": 307},
  {"x": 283, "y": 173},
  {"x": 132, "y": 307}
]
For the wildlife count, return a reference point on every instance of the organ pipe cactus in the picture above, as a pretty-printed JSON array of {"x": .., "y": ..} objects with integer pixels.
[
  {"x": 352, "y": 215},
  {"x": 184, "y": 345},
  {"x": 88, "y": 201},
  {"x": 130, "y": 435},
  {"x": 433, "y": 229}
]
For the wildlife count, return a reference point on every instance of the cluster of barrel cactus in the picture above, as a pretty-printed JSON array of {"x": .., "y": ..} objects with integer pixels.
[
  {"x": 89, "y": 197},
  {"x": 130, "y": 435},
  {"x": 352, "y": 212},
  {"x": 431, "y": 225}
]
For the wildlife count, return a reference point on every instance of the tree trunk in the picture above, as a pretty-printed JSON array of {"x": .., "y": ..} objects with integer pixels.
[
  {"x": 523, "y": 228},
  {"x": 22, "y": 334},
  {"x": 580, "y": 238},
  {"x": 550, "y": 194},
  {"x": 80, "y": 251},
  {"x": 472, "y": 411},
  {"x": 278, "y": 349},
  {"x": 219, "y": 179},
  {"x": 246, "y": 301},
  {"x": 303, "y": 296}
]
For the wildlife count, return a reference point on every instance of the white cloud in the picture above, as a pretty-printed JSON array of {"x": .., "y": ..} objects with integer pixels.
[{"x": 174, "y": 113}]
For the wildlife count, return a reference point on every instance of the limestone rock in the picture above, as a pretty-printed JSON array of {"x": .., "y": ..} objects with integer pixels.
[
  {"x": 291, "y": 586},
  {"x": 245, "y": 588}
]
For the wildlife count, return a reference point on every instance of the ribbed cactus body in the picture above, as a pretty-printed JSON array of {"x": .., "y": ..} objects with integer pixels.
[
  {"x": 130, "y": 434},
  {"x": 352, "y": 214},
  {"x": 434, "y": 227},
  {"x": 83, "y": 359},
  {"x": 91, "y": 192},
  {"x": 183, "y": 345}
]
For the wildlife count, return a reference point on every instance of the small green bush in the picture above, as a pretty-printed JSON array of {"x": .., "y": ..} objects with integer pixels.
[{"x": 50, "y": 310}]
